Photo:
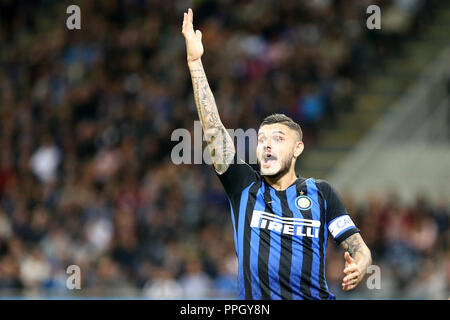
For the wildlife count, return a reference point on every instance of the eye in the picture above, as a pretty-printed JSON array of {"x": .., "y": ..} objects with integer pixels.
[{"x": 278, "y": 139}]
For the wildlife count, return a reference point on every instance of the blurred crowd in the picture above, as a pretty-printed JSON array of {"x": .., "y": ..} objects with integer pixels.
[
  {"x": 86, "y": 118},
  {"x": 410, "y": 247}
]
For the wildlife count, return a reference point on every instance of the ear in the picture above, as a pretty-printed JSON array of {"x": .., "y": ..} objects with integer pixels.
[{"x": 299, "y": 146}]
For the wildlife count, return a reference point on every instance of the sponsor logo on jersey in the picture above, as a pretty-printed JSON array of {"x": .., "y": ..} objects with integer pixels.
[{"x": 285, "y": 225}]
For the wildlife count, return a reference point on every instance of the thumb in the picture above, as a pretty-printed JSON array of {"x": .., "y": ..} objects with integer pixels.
[
  {"x": 198, "y": 33},
  {"x": 347, "y": 257}
]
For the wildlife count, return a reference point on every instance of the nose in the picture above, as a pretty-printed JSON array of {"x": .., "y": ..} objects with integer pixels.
[{"x": 266, "y": 145}]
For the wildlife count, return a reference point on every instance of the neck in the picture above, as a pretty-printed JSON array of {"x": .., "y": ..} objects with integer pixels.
[{"x": 281, "y": 183}]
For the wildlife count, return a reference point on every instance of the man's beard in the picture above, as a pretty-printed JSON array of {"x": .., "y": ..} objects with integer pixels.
[{"x": 285, "y": 167}]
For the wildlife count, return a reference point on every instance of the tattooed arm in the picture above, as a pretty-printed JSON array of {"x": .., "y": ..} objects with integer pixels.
[
  {"x": 219, "y": 142},
  {"x": 357, "y": 260}
]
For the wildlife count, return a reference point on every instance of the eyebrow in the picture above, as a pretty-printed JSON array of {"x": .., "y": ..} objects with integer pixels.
[{"x": 277, "y": 131}]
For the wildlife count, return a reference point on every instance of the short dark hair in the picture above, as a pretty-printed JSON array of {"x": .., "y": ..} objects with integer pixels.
[{"x": 284, "y": 119}]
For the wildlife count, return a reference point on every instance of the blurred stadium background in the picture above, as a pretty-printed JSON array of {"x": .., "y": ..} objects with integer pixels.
[{"x": 86, "y": 118}]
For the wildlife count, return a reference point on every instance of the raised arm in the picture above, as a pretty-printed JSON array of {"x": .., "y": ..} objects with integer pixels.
[
  {"x": 219, "y": 141},
  {"x": 357, "y": 259}
]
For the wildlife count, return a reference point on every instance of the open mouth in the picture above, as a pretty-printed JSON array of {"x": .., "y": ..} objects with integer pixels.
[{"x": 269, "y": 159}]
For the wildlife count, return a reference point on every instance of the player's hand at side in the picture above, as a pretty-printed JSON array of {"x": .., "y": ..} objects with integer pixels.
[
  {"x": 194, "y": 46},
  {"x": 353, "y": 274}
]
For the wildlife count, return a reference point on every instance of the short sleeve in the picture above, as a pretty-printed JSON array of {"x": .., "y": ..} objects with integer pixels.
[
  {"x": 339, "y": 222},
  {"x": 238, "y": 176}
]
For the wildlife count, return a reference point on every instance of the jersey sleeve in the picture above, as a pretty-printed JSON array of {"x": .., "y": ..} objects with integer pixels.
[
  {"x": 237, "y": 177},
  {"x": 339, "y": 223}
]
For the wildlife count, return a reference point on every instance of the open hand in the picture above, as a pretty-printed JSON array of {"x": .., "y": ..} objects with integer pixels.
[
  {"x": 194, "y": 46},
  {"x": 353, "y": 274}
]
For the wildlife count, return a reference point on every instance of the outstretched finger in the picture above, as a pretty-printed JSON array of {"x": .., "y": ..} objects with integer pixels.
[
  {"x": 348, "y": 287},
  {"x": 351, "y": 282},
  {"x": 187, "y": 26},
  {"x": 351, "y": 276},
  {"x": 351, "y": 268},
  {"x": 190, "y": 16}
]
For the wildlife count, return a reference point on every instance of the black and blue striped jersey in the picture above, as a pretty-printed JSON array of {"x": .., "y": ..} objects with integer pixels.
[{"x": 281, "y": 236}]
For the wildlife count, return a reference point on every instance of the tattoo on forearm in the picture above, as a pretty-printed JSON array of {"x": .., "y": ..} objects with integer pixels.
[
  {"x": 219, "y": 141},
  {"x": 206, "y": 105},
  {"x": 355, "y": 246},
  {"x": 352, "y": 244}
]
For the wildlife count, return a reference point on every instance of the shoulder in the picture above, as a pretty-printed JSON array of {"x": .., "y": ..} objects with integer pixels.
[
  {"x": 322, "y": 185},
  {"x": 325, "y": 189}
]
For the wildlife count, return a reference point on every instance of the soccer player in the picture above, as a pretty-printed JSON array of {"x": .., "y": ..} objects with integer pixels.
[{"x": 281, "y": 221}]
